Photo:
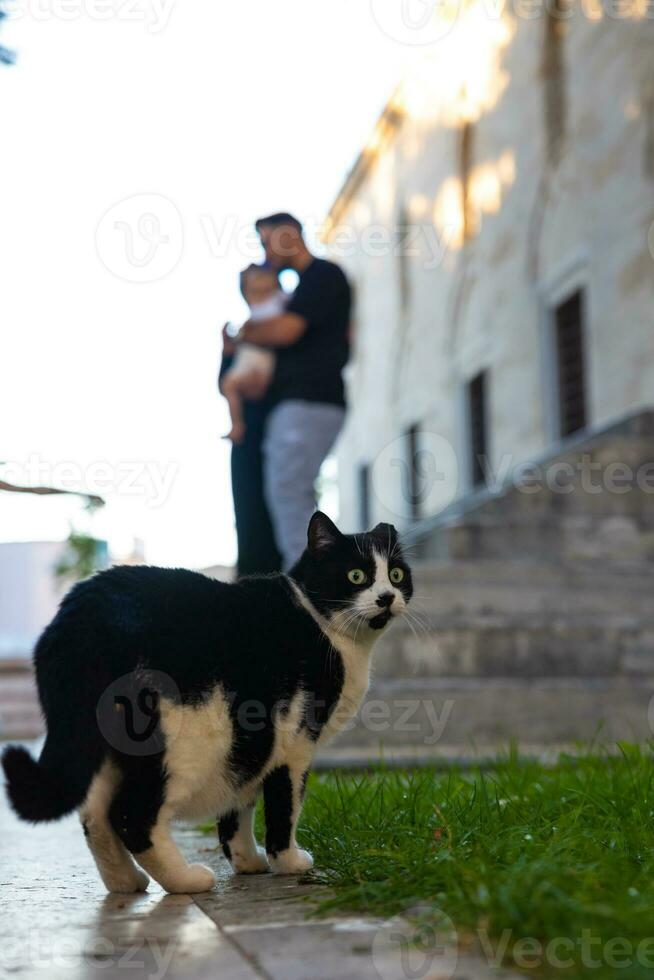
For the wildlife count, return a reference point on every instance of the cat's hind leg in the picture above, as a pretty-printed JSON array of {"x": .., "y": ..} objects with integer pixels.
[
  {"x": 283, "y": 794},
  {"x": 141, "y": 819},
  {"x": 236, "y": 836},
  {"x": 165, "y": 863},
  {"x": 116, "y": 867}
]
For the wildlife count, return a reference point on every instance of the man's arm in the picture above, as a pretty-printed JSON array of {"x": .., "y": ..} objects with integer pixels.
[{"x": 279, "y": 331}]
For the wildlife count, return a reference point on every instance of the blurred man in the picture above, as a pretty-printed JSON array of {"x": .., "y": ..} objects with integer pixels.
[{"x": 310, "y": 339}]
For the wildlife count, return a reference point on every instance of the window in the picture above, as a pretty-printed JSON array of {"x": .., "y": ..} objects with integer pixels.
[
  {"x": 568, "y": 322},
  {"x": 415, "y": 492},
  {"x": 470, "y": 222},
  {"x": 403, "y": 253},
  {"x": 477, "y": 428},
  {"x": 364, "y": 497},
  {"x": 554, "y": 78}
]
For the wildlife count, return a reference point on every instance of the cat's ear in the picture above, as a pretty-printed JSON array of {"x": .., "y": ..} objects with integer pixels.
[
  {"x": 387, "y": 533},
  {"x": 323, "y": 533}
]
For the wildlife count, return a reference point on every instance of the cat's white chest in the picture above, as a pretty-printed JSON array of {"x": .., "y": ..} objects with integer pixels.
[
  {"x": 356, "y": 670},
  {"x": 356, "y": 680}
]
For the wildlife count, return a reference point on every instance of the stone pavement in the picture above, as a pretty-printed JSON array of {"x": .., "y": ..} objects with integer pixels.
[{"x": 56, "y": 922}]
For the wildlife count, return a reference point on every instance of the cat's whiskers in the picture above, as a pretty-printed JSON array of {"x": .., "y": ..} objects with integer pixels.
[
  {"x": 412, "y": 619},
  {"x": 343, "y": 628},
  {"x": 346, "y": 623},
  {"x": 418, "y": 617},
  {"x": 412, "y": 628}
]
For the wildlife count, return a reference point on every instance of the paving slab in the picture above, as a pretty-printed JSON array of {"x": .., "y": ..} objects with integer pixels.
[{"x": 57, "y": 921}]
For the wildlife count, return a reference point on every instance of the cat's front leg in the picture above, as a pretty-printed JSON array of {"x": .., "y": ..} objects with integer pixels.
[
  {"x": 283, "y": 793},
  {"x": 236, "y": 835}
]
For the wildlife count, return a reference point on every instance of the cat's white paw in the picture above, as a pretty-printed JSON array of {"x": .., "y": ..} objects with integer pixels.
[
  {"x": 127, "y": 884},
  {"x": 250, "y": 864},
  {"x": 291, "y": 862},
  {"x": 195, "y": 878}
]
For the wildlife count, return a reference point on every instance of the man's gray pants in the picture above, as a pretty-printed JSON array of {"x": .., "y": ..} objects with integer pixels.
[{"x": 298, "y": 436}]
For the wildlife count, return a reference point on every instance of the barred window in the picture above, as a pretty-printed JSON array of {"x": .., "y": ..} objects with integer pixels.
[
  {"x": 477, "y": 428},
  {"x": 569, "y": 324}
]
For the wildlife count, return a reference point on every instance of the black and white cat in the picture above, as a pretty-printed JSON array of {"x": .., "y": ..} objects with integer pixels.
[{"x": 238, "y": 685}]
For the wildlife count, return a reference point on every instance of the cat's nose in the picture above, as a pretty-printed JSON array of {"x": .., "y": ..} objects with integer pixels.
[{"x": 385, "y": 599}]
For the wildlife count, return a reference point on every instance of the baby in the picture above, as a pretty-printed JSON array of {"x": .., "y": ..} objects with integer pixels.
[{"x": 251, "y": 371}]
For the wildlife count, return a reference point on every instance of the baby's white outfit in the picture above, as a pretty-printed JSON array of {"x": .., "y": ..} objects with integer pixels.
[{"x": 250, "y": 357}]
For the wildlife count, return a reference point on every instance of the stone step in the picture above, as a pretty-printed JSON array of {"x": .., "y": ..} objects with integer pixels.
[
  {"x": 589, "y": 497},
  {"x": 17, "y": 690},
  {"x": 578, "y": 538},
  {"x": 526, "y": 645},
  {"x": 513, "y": 570},
  {"x": 20, "y": 713},
  {"x": 20, "y": 721},
  {"x": 436, "y": 717},
  {"x": 520, "y": 586},
  {"x": 16, "y": 729},
  {"x": 513, "y": 503}
]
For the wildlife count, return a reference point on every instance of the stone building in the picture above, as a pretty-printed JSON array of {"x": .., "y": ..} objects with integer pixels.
[{"x": 498, "y": 229}]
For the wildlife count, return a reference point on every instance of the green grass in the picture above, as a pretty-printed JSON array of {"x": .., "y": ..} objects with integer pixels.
[{"x": 519, "y": 851}]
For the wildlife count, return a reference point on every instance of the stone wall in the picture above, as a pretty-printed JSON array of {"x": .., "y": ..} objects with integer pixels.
[{"x": 556, "y": 172}]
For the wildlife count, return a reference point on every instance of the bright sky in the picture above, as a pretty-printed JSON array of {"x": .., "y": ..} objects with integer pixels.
[{"x": 211, "y": 114}]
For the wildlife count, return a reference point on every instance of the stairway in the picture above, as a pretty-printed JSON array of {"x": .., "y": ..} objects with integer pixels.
[
  {"x": 541, "y": 653},
  {"x": 535, "y": 618},
  {"x": 20, "y": 714}
]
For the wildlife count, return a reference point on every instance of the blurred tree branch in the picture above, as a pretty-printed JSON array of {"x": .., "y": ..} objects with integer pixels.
[{"x": 91, "y": 499}]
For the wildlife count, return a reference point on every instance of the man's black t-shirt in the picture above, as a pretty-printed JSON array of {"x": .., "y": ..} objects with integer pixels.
[{"x": 311, "y": 369}]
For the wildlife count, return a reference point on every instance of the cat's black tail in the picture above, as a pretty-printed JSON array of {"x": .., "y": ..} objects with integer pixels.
[
  {"x": 33, "y": 792},
  {"x": 70, "y": 683},
  {"x": 46, "y": 790}
]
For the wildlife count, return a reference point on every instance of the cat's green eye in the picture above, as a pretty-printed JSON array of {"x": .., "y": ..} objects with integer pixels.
[
  {"x": 357, "y": 576},
  {"x": 396, "y": 575}
]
